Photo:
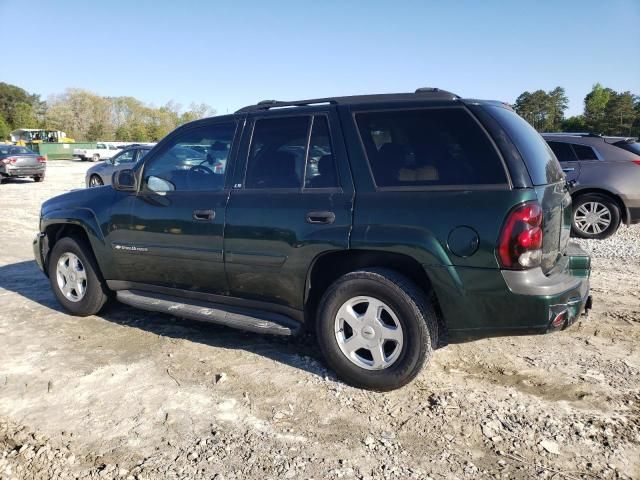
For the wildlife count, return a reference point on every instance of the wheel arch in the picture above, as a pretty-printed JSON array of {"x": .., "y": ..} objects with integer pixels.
[
  {"x": 624, "y": 212},
  {"x": 328, "y": 267}
]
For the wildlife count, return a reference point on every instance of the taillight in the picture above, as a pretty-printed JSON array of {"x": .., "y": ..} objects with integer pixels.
[
  {"x": 637, "y": 162},
  {"x": 42, "y": 159},
  {"x": 9, "y": 160},
  {"x": 520, "y": 243}
]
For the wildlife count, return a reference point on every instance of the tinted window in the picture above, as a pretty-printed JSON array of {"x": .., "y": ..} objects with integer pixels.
[
  {"x": 584, "y": 152},
  {"x": 563, "y": 151},
  {"x": 629, "y": 147},
  {"x": 277, "y": 153},
  {"x": 542, "y": 166},
  {"x": 321, "y": 169},
  {"x": 194, "y": 160},
  {"x": 11, "y": 150},
  {"x": 428, "y": 147}
]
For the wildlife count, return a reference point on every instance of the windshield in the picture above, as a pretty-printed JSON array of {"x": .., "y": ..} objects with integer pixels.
[{"x": 629, "y": 147}]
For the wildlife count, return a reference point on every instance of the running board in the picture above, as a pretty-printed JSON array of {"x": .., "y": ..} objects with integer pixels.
[{"x": 235, "y": 317}]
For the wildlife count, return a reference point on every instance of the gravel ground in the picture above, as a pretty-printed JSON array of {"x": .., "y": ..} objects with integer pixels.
[{"x": 137, "y": 395}]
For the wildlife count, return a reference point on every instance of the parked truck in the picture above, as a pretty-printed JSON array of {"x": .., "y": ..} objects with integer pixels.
[{"x": 102, "y": 151}]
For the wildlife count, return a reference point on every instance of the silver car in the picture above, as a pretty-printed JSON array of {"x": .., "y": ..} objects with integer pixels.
[
  {"x": 16, "y": 161},
  {"x": 604, "y": 180},
  {"x": 101, "y": 173}
]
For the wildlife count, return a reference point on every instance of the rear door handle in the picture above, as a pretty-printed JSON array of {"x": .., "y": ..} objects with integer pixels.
[
  {"x": 321, "y": 217},
  {"x": 568, "y": 169},
  {"x": 204, "y": 215}
]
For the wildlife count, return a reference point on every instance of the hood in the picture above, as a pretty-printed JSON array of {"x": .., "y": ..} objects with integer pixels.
[{"x": 85, "y": 198}]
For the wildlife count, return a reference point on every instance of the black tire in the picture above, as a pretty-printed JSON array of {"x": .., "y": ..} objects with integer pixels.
[
  {"x": 38, "y": 178},
  {"x": 414, "y": 311},
  {"x": 96, "y": 293},
  {"x": 589, "y": 232},
  {"x": 95, "y": 181}
]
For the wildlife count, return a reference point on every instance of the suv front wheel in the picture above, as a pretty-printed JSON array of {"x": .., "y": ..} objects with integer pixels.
[
  {"x": 74, "y": 277},
  {"x": 595, "y": 216},
  {"x": 376, "y": 329}
]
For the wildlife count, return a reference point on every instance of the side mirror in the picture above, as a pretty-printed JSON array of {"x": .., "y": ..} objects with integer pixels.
[{"x": 124, "y": 180}]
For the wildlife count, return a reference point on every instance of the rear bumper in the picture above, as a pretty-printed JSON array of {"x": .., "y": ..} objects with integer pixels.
[
  {"x": 9, "y": 171},
  {"x": 506, "y": 302}
]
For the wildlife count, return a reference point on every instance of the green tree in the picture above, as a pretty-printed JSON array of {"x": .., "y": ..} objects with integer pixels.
[
  {"x": 558, "y": 104},
  {"x": 24, "y": 116},
  {"x": 5, "y": 130},
  {"x": 573, "y": 124},
  {"x": 595, "y": 105},
  {"x": 620, "y": 114},
  {"x": 11, "y": 97}
]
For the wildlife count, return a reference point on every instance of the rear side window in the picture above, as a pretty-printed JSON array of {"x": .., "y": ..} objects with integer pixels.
[
  {"x": 563, "y": 151},
  {"x": 277, "y": 153},
  {"x": 629, "y": 147},
  {"x": 430, "y": 147},
  {"x": 537, "y": 155},
  {"x": 584, "y": 152}
]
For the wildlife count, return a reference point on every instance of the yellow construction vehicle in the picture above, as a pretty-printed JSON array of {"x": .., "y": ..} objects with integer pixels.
[{"x": 22, "y": 136}]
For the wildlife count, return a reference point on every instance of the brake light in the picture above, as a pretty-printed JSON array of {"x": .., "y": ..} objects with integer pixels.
[
  {"x": 9, "y": 160},
  {"x": 42, "y": 159},
  {"x": 521, "y": 238},
  {"x": 637, "y": 162}
]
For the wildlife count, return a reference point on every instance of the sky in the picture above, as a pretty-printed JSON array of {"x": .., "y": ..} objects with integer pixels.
[{"x": 234, "y": 53}]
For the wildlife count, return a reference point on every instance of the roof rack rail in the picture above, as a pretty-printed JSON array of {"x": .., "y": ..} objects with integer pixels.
[
  {"x": 429, "y": 92},
  {"x": 573, "y": 134},
  {"x": 268, "y": 104}
]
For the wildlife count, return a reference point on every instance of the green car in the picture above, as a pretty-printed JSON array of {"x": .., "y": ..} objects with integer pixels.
[{"x": 387, "y": 224}]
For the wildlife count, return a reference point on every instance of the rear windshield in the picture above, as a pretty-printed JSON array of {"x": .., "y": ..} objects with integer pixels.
[
  {"x": 428, "y": 147},
  {"x": 541, "y": 162},
  {"x": 629, "y": 147},
  {"x": 11, "y": 150}
]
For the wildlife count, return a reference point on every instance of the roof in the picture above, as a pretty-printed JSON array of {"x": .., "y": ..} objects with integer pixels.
[{"x": 427, "y": 93}]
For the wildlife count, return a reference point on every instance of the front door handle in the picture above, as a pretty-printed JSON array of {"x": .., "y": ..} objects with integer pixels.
[
  {"x": 204, "y": 215},
  {"x": 568, "y": 169},
  {"x": 321, "y": 217}
]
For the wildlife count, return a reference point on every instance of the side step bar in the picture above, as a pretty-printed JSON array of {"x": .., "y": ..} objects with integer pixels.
[{"x": 244, "y": 319}]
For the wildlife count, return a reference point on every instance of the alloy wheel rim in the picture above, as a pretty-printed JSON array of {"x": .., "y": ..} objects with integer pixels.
[
  {"x": 368, "y": 333},
  {"x": 592, "y": 218},
  {"x": 95, "y": 181},
  {"x": 71, "y": 277}
]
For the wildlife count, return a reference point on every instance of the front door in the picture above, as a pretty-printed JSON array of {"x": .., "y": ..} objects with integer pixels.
[
  {"x": 289, "y": 205},
  {"x": 174, "y": 235}
]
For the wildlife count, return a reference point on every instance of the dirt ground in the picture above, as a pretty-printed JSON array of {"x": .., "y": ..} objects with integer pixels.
[{"x": 130, "y": 394}]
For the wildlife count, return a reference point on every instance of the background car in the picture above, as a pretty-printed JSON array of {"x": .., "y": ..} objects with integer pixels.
[
  {"x": 18, "y": 161},
  {"x": 101, "y": 173},
  {"x": 604, "y": 176}
]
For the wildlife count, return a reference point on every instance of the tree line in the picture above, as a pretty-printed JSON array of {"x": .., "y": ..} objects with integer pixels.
[
  {"x": 85, "y": 116},
  {"x": 606, "y": 111}
]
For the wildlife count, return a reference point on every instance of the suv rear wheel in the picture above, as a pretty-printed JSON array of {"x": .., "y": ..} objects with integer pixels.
[
  {"x": 595, "y": 216},
  {"x": 376, "y": 329},
  {"x": 74, "y": 277}
]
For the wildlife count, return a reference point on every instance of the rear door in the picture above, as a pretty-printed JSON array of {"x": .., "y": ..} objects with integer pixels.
[
  {"x": 291, "y": 202},
  {"x": 566, "y": 155}
]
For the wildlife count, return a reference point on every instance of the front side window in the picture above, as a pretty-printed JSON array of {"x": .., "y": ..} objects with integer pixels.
[
  {"x": 563, "y": 151},
  {"x": 194, "y": 160},
  {"x": 430, "y": 147},
  {"x": 584, "y": 152},
  {"x": 124, "y": 157}
]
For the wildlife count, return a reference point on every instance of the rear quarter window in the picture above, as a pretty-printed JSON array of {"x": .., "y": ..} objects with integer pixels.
[
  {"x": 428, "y": 147},
  {"x": 541, "y": 163}
]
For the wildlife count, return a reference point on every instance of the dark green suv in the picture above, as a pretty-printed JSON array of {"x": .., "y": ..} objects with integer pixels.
[{"x": 388, "y": 224}]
